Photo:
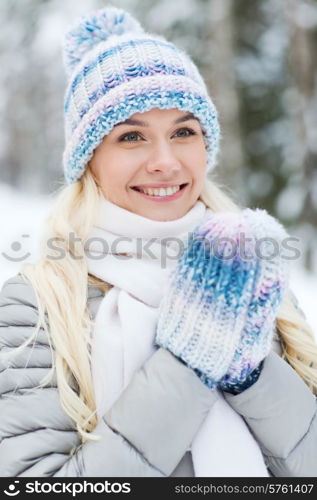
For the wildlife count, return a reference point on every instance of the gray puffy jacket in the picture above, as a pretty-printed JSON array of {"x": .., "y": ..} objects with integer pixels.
[{"x": 149, "y": 429}]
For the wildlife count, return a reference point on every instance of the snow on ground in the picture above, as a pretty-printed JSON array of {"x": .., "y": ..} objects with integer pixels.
[{"x": 21, "y": 220}]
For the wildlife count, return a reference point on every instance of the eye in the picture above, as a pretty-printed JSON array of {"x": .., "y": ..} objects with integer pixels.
[
  {"x": 185, "y": 132},
  {"x": 130, "y": 137}
]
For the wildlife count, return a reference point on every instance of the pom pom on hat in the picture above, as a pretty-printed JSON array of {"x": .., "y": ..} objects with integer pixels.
[{"x": 96, "y": 27}]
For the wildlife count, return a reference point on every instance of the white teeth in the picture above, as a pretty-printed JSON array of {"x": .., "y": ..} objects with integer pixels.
[{"x": 161, "y": 191}]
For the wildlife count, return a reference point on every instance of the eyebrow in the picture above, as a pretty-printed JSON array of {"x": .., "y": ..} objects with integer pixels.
[{"x": 141, "y": 123}]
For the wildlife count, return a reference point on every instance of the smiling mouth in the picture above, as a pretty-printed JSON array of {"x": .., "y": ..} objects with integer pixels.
[{"x": 160, "y": 192}]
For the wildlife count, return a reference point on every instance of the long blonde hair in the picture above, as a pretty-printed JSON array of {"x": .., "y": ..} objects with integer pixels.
[{"x": 61, "y": 289}]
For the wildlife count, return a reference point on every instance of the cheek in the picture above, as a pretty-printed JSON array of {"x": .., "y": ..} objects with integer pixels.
[
  {"x": 197, "y": 149},
  {"x": 196, "y": 160},
  {"x": 112, "y": 179},
  {"x": 117, "y": 178}
]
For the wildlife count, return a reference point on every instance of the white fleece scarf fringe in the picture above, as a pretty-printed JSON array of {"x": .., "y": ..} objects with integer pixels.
[{"x": 126, "y": 320}]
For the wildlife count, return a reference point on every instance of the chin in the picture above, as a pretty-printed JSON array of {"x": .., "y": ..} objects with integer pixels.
[{"x": 165, "y": 215}]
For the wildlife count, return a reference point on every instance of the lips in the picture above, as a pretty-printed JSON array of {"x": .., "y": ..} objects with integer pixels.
[
  {"x": 161, "y": 195},
  {"x": 157, "y": 186}
]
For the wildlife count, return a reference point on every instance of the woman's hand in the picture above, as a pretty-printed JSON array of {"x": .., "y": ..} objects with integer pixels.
[{"x": 218, "y": 312}]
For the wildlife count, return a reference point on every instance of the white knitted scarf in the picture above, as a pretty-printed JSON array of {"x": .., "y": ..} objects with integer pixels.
[{"x": 126, "y": 320}]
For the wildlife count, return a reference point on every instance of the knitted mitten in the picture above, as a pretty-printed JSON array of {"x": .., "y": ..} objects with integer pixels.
[
  {"x": 269, "y": 288},
  {"x": 217, "y": 313}
]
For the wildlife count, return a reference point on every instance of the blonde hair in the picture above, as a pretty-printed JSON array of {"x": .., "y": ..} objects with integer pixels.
[{"x": 61, "y": 287}]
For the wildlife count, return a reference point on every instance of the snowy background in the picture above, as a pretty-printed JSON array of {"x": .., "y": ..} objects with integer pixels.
[{"x": 258, "y": 58}]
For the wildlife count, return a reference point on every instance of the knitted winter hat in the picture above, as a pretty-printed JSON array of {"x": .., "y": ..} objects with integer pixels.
[{"x": 115, "y": 69}]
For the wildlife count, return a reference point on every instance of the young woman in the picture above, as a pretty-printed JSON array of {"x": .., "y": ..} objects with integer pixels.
[{"x": 140, "y": 344}]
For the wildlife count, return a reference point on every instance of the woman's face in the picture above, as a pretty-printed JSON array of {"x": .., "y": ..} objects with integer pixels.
[{"x": 153, "y": 164}]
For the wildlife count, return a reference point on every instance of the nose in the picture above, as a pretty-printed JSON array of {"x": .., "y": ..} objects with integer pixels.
[{"x": 162, "y": 159}]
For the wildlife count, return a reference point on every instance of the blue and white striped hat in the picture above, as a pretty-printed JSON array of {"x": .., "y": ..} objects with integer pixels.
[{"x": 116, "y": 69}]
